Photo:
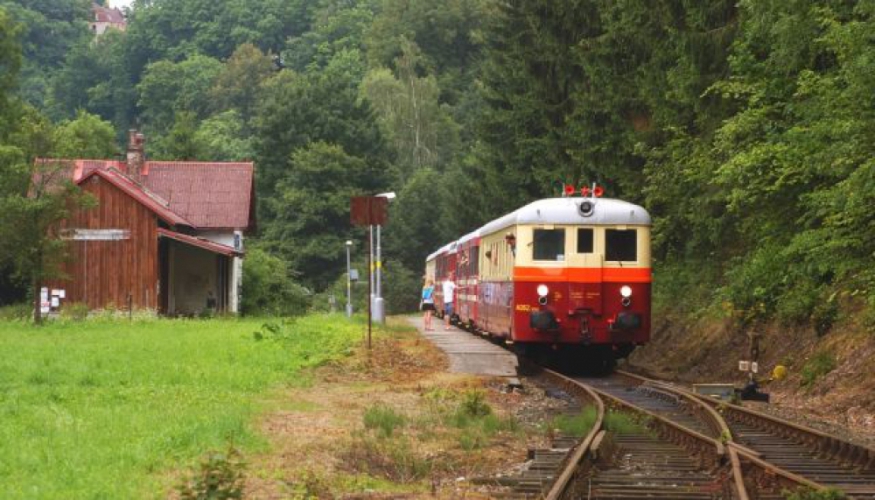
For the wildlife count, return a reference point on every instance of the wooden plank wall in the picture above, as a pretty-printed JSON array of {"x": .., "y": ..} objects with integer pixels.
[{"x": 103, "y": 273}]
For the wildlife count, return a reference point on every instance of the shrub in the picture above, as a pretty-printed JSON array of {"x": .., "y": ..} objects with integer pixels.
[
  {"x": 383, "y": 418},
  {"x": 75, "y": 311},
  {"x": 474, "y": 404},
  {"x": 819, "y": 365},
  {"x": 16, "y": 312},
  {"x": 268, "y": 288},
  {"x": 220, "y": 477},
  {"x": 394, "y": 459},
  {"x": 406, "y": 287},
  {"x": 473, "y": 439}
]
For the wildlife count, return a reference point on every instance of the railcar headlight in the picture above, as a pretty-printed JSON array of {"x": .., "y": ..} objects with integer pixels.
[
  {"x": 543, "y": 290},
  {"x": 626, "y": 291}
]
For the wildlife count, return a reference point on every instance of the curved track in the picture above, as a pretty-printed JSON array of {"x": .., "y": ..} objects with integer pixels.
[
  {"x": 658, "y": 459},
  {"x": 698, "y": 448},
  {"x": 777, "y": 454},
  {"x": 694, "y": 447}
]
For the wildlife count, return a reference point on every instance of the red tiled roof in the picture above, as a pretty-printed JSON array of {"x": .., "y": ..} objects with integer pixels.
[
  {"x": 107, "y": 15},
  {"x": 208, "y": 245},
  {"x": 210, "y": 195},
  {"x": 207, "y": 195},
  {"x": 136, "y": 192}
]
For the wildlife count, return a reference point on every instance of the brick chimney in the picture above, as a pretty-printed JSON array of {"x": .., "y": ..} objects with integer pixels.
[{"x": 136, "y": 159}]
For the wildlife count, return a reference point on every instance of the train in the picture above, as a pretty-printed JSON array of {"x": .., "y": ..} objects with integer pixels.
[{"x": 565, "y": 281}]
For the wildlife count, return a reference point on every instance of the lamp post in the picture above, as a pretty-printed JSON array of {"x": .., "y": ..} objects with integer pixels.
[
  {"x": 379, "y": 310},
  {"x": 348, "y": 281}
]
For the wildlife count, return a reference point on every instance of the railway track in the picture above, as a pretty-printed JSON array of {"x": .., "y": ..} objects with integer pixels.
[
  {"x": 819, "y": 459},
  {"x": 687, "y": 447},
  {"x": 653, "y": 457}
]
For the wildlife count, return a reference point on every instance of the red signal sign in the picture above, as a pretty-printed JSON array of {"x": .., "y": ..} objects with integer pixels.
[{"x": 368, "y": 210}]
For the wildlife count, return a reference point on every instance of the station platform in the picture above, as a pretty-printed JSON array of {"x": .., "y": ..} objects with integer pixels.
[{"x": 469, "y": 353}]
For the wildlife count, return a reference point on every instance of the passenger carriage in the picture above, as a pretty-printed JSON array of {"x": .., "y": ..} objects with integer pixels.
[{"x": 562, "y": 278}]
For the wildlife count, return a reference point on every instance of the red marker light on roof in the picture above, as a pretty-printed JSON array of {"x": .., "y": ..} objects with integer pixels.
[
  {"x": 569, "y": 190},
  {"x": 584, "y": 191},
  {"x": 598, "y": 191}
]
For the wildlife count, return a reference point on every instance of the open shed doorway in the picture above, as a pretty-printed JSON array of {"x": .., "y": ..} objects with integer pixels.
[{"x": 194, "y": 281}]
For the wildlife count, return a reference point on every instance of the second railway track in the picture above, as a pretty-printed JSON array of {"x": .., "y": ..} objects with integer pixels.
[{"x": 690, "y": 448}]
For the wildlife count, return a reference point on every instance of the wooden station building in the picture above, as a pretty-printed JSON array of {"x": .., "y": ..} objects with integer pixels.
[{"x": 165, "y": 235}]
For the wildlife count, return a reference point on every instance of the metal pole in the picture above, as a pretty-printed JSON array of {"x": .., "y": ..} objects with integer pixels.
[
  {"x": 371, "y": 263},
  {"x": 379, "y": 310},
  {"x": 348, "y": 283},
  {"x": 379, "y": 267},
  {"x": 371, "y": 280}
]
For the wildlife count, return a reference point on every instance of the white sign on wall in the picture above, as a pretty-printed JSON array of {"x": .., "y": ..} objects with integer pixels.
[{"x": 97, "y": 234}]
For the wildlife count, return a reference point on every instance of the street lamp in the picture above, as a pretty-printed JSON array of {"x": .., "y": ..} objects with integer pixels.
[
  {"x": 348, "y": 281},
  {"x": 379, "y": 313}
]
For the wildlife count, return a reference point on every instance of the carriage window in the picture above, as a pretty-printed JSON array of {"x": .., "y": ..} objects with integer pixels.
[
  {"x": 621, "y": 245},
  {"x": 549, "y": 244},
  {"x": 584, "y": 240},
  {"x": 474, "y": 259}
]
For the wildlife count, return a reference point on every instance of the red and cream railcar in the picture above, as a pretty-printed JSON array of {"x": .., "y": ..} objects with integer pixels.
[
  {"x": 467, "y": 279},
  {"x": 444, "y": 266},
  {"x": 568, "y": 278}
]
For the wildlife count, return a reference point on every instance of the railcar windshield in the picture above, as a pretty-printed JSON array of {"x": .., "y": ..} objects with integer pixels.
[
  {"x": 548, "y": 244},
  {"x": 621, "y": 245}
]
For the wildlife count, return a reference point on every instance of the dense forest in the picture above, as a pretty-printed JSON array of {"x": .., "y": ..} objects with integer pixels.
[{"x": 747, "y": 128}]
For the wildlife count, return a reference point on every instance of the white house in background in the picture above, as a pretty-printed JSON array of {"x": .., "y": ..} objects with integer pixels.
[{"x": 104, "y": 18}]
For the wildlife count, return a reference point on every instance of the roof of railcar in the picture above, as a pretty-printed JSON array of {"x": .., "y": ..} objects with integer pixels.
[
  {"x": 608, "y": 211},
  {"x": 449, "y": 247},
  {"x": 468, "y": 237}
]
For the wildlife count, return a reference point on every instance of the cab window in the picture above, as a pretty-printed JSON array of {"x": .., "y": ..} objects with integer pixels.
[
  {"x": 621, "y": 245},
  {"x": 549, "y": 244},
  {"x": 584, "y": 240}
]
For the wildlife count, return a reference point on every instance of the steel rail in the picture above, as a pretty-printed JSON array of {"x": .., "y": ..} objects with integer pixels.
[
  {"x": 826, "y": 446},
  {"x": 711, "y": 452},
  {"x": 710, "y": 417},
  {"x": 575, "y": 459}
]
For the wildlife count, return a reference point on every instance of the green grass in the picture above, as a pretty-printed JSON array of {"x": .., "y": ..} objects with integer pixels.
[
  {"x": 110, "y": 409},
  {"x": 621, "y": 422},
  {"x": 578, "y": 425},
  {"x": 581, "y": 424},
  {"x": 384, "y": 418}
]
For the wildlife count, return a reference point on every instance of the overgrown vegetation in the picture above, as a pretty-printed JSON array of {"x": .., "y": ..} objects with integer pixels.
[
  {"x": 87, "y": 402},
  {"x": 578, "y": 425},
  {"x": 581, "y": 424},
  {"x": 384, "y": 419},
  {"x": 219, "y": 477},
  {"x": 387, "y": 447},
  {"x": 819, "y": 365},
  {"x": 744, "y": 127}
]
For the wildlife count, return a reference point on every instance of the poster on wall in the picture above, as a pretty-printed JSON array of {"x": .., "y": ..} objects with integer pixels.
[{"x": 44, "y": 300}]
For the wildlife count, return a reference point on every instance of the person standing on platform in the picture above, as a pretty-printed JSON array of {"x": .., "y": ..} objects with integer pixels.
[
  {"x": 427, "y": 305},
  {"x": 449, "y": 288}
]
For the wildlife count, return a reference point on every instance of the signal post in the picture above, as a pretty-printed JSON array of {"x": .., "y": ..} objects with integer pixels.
[{"x": 369, "y": 211}]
